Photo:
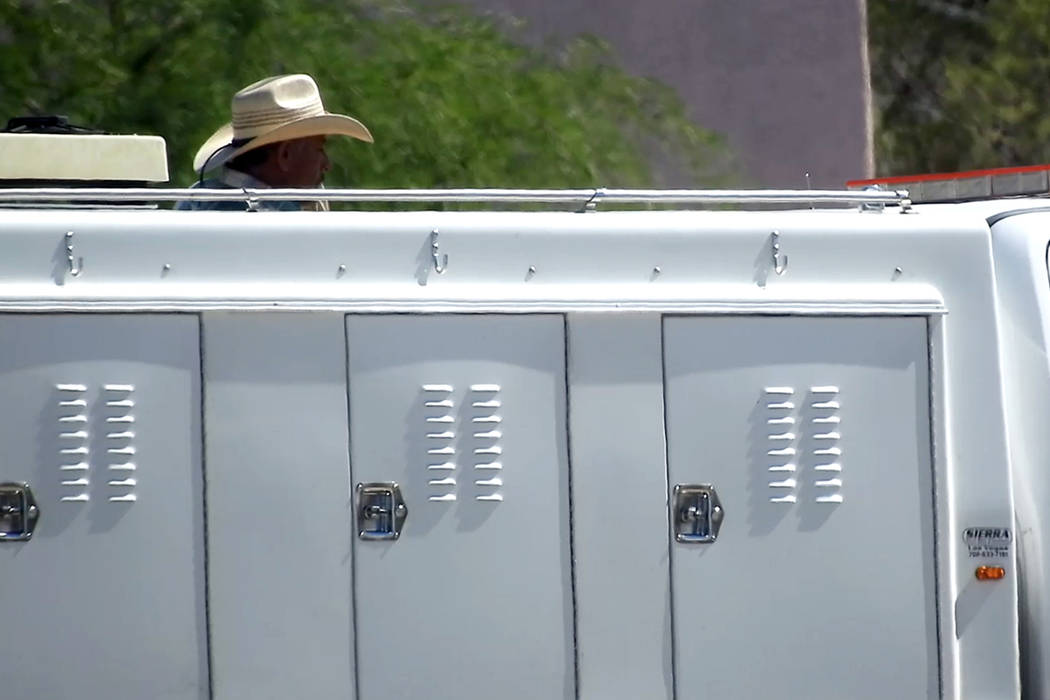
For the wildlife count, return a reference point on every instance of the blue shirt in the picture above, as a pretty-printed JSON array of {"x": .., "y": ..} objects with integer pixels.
[{"x": 230, "y": 179}]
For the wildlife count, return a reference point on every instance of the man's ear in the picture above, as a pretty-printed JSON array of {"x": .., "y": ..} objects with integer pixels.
[{"x": 283, "y": 156}]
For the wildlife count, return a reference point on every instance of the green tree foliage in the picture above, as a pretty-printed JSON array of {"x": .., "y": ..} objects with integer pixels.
[
  {"x": 912, "y": 42},
  {"x": 452, "y": 99},
  {"x": 1009, "y": 87},
  {"x": 960, "y": 84}
]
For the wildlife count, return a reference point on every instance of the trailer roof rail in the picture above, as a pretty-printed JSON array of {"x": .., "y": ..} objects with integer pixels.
[{"x": 585, "y": 198}]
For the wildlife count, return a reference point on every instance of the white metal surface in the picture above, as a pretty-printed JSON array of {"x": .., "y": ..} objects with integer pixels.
[
  {"x": 278, "y": 500},
  {"x": 1020, "y": 244},
  {"x": 935, "y": 262},
  {"x": 838, "y": 262},
  {"x": 619, "y": 477},
  {"x": 467, "y": 415},
  {"x": 101, "y": 416},
  {"x": 816, "y": 435}
]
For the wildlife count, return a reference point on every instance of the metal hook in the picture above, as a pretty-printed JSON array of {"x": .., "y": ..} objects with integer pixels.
[
  {"x": 440, "y": 261},
  {"x": 76, "y": 265},
  {"x": 780, "y": 260}
]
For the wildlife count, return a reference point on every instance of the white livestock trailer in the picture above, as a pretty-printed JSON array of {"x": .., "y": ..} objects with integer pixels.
[{"x": 740, "y": 453}]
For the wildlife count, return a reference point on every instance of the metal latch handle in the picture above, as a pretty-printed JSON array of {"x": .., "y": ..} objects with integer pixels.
[
  {"x": 381, "y": 511},
  {"x": 19, "y": 512},
  {"x": 697, "y": 513}
]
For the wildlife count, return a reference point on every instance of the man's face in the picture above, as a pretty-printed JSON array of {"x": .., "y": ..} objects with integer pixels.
[{"x": 303, "y": 162}]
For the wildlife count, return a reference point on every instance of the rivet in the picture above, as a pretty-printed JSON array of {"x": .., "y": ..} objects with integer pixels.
[
  {"x": 657, "y": 270},
  {"x": 341, "y": 271},
  {"x": 532, "y": 271},
  {"x": 76, "y": 265}
]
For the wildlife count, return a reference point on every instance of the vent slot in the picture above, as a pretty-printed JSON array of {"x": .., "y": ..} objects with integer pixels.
[
  {"x": 781, "y": 444},
  {"x": 74, "y": 452},
  {"x": 486, "y": 421},
  {"x": 826, "y": 422},
  {"x": 439, "y": 437}
]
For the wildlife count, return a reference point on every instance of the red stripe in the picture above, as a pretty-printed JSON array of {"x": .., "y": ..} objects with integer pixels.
[{"x": 930, "y": 177}]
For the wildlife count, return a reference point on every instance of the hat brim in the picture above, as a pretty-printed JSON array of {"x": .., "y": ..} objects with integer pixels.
[{"x": 219, "y": 149}]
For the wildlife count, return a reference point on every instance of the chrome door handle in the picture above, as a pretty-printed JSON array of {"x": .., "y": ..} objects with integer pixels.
[
  {"x": 18, "y": 512},
  {"x": 697, "y": 513},
  {"x": 381, "y": 511}
]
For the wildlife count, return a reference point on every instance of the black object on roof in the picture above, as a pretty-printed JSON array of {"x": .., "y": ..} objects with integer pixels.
[{"x": 46, "y": 124}]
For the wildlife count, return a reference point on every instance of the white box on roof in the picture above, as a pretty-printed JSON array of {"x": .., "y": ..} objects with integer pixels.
[{"x": 63, "y": 157}]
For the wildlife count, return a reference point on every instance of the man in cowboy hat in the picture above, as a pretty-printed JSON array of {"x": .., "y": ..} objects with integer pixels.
[{"x": 276, "y": 139}]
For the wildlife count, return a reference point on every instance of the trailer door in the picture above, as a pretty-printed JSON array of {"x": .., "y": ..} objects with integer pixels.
[
  {"x": 459, "y": 459},
  {"x": 808, "y": 441},
  {"x": 101, "y": 426}
]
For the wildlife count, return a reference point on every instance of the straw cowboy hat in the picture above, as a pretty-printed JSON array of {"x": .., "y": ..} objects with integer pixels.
[{"x": 274, "y": 109}]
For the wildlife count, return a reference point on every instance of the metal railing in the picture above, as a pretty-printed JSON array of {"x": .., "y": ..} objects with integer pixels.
[{"x": 587, "y": 198}]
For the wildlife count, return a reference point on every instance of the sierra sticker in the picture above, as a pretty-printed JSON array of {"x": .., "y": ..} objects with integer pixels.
[{"x": 988, "y": 542}]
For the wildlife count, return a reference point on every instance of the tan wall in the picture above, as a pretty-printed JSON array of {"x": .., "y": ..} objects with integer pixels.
[{"x": 785, "y": 80}]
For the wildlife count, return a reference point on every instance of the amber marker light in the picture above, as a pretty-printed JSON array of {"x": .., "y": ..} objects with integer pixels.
[{"x": 990, "y": 573}]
